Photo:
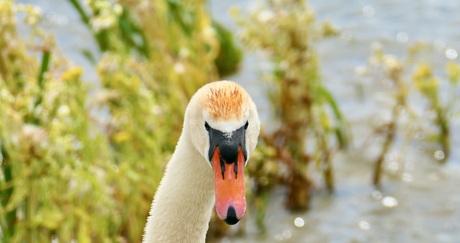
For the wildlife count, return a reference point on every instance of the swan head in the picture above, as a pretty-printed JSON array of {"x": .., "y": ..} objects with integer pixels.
[{"x": 224, "y": 127}]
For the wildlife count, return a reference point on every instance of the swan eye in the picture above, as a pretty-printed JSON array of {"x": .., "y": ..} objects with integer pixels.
[
  {"x": 206, "y": 125},
  {"x": 246, "y": 125}
]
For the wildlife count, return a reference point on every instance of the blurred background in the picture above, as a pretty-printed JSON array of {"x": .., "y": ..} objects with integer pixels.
[{"x": 357, "y": 101}]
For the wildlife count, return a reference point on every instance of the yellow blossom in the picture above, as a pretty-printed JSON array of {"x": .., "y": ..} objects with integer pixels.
[
  {"x": 325, "y": 120},
  {"x": 121, "y": 136},
  {"x": 424, "y": 81},
  {"x": 453, "y": 72},
  {"x": 423, "y": 71},
  {"x": 33, "y": 14},
  {"x": 72, "y": 74}
]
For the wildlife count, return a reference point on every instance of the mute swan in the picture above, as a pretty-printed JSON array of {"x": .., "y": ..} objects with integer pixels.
[{"x": 220, "y": 131}]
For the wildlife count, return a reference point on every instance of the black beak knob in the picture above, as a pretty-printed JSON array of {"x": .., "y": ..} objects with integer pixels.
[{"x": 229, "y": 152}]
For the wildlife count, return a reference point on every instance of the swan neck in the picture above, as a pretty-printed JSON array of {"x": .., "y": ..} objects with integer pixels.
[{"x": 183, "y": 203}]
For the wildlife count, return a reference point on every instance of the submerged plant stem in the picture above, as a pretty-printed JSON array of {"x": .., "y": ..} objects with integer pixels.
[
  {"x": 328, "y": 172},
  {"x": 391, "y": 131},
  {"x": 444, "y": 135}
]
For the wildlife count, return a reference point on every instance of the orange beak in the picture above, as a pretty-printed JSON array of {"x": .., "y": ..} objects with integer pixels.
[{"x": 229, "y": 187}]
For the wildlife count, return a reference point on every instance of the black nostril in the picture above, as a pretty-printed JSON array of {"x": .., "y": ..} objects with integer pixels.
[
  {"x": 229, "y": 153},
  {"x": 231, "y": 216}
]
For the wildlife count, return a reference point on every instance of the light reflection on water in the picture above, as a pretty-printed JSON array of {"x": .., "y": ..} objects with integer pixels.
[
  {"x": 299, "y": 222},
  {"x": 402, "y": 37},
  {"x": 451, "y": 54},
  {"x": 368, "y": 11},
  {"x": 364, "y": 225},
  {"x": 421, "y": 202},
  {"x": 439, "y": 155},
  {"x": 389, "y": 202}
]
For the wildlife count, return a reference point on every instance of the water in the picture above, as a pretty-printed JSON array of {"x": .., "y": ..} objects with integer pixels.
[{"x": 419, "y": 201}]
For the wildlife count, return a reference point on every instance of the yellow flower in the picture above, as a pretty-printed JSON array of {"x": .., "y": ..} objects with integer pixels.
[
  {"x": 325, "y": 120},
  {"x": 72, "y": 74},
  {"x": 425, "y": 82},
  {"x": 133, "y": 83},
  {"x": 420, "y": 75},
  {"x": 33, "y": 14},
  {"x": 453, "y": 72},
  {"x": 6, "y": 6},
  {"x": 422, "y": 72},
  {"x": 121, "y": 136}
]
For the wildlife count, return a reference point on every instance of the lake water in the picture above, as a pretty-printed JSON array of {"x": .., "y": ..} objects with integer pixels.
[{"x": 420, "y": 201}]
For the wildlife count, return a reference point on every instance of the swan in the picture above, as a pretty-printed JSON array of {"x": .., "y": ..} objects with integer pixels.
[{"x": 220, "y": 131}]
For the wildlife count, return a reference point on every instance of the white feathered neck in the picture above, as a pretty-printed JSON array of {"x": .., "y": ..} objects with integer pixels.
[{"x": 183, "y": 203}]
